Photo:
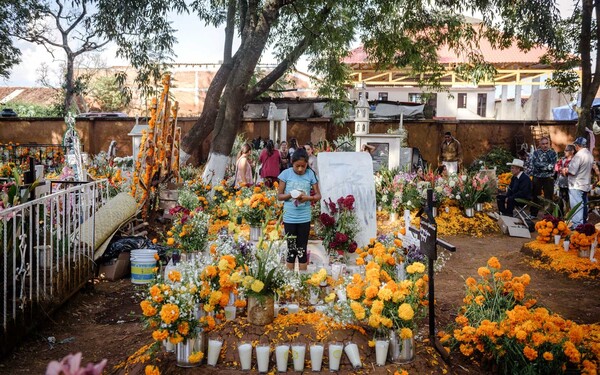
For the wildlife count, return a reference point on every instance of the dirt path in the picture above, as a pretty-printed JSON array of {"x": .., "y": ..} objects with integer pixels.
[{"x": 103, "y": 322}]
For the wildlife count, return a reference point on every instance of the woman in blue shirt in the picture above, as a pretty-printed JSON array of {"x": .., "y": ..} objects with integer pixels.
[{"x": 294, "y": 188}]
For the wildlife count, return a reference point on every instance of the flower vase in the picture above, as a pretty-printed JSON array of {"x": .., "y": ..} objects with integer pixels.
[
  {"x": 255, "y": 233},
  {"x": 469, "y": 212},
  {"x": 401, "y": 350},
  {"x": 260, "y": 311},
  {"x": 584, "y": 252},
  {"x": 393, "y": 217},
  {"x": 183, "y": 351},
  {"x": 479, "y": 207}
]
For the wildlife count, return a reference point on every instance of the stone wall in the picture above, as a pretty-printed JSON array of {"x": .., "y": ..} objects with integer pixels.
[{"x": 477, "y": 137}]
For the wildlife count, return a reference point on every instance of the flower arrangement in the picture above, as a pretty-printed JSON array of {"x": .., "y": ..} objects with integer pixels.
[
  {"x": 71, "y": 365},
  {"x": 386, "y": 303},
  {"x": 189, "y": 232},
  {"x": 339, "y": 226},
  {"x": 550, "y": 226},
  {"x": 583, "y": 236},
  {"x": 256, "y": 205},
  {"x": 498, "y": 322},
  {"x": 504, "y": 180},
  {"x": 170, "y": 306},
  {"x": 471, "y": 189}
]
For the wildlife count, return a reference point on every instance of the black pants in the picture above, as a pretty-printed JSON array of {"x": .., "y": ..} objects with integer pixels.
[
  {"x": 545, "y": 184},
  {"x": 563, "y": 202},
  {"x": 297, "y": 241},
  {"x": 505, "y": 206}
]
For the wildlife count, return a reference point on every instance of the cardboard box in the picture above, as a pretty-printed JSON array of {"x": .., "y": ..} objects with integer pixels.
[
  {"x": 116, "y": 269},
  {"x": 514, "y": 227}
]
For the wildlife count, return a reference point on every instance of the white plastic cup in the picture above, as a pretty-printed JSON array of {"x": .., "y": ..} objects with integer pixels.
[
  {"x": 381, "y": 351},
  {"x": 566, "y": 245},
  {"x": 351, "y": 350},
  {"x": 293, "y": 308},
  {"x": 557, "y": 239},
  {"x": 214, "y": 350},
  {"x": 245, "y": 352},
  {"x": 316, "y": 356},
  {"x": 282, "y": 352},
  {"x": 298, "y": 354},
  {"x": 263, "y": 351},
  {"x": 335, "y": 355}
]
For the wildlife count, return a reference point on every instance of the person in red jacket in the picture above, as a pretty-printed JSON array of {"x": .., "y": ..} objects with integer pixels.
[{"x": 270, "y": 160}]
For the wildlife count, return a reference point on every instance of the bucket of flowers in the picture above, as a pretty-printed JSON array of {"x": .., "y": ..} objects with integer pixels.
[
  {"x": 170, "y": 309},
  {"x": 390, "y": 306},
  {"x": 338, "y": 227},
  {"x": 583, "y": 237},
  {"x": 256, "y": 206},
  {"x": 262, "y": 275}
]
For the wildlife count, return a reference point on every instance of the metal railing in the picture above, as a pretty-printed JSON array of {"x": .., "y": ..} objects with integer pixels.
[{"x": 43, "y": 257}]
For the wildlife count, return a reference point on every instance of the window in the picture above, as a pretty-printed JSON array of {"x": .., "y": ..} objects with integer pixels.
[
  {"x": 382, "y": 96},
  {"x": 462, "y": 100},
  {"x": 366, "y": 95},
  {"x": 414, "y": 97},
  {"x": 481, "y": 104}
]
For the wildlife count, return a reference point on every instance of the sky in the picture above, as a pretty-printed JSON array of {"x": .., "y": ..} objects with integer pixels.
[{"x": 196, "y": 44}]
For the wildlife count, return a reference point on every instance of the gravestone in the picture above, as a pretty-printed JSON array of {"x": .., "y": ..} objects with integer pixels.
[{"x": 345, "y": 173}]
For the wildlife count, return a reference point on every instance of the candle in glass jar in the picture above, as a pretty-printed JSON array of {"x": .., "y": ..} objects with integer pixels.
[
  {"x": 262, "y": 357},
  {"x": 335, "y": 355},
  {"x": 316, "y": 356},
  {"x": 351, "y": 350},
  {"x": 282, "y": 352},
  {"x": 245, "y": 352},
  {"x": 298, "y": 354},
  {"x": 214, "y": 350},
  {"x": 381, "y": 351}
]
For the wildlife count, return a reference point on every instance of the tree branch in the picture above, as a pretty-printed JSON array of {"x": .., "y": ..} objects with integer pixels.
[{"x": 229, "y": 30}]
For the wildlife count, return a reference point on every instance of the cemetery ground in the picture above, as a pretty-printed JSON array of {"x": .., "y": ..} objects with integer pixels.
[{"x": 103, "y": 320}]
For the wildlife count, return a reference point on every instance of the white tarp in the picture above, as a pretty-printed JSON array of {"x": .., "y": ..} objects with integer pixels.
[{"x": 566, "y": 112}]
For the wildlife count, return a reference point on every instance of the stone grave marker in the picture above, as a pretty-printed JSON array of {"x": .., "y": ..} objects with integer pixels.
[{"x": 345, "y": 173}]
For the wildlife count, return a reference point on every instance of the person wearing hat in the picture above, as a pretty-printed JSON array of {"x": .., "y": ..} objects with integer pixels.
[
  {"x": 450, "y": 154},
  {"x": 542, "y": 163},
  {"x": 579, "y": 174},
  {"x": 520, "y": 187}
]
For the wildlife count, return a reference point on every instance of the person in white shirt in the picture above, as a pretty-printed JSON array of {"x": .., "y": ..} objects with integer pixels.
[{"x": 579, "y": 173}]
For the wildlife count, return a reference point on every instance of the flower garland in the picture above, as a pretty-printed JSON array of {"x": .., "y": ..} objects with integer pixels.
[{"x": 552, "y": 257}]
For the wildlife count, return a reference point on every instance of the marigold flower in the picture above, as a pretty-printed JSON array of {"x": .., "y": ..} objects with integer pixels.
[
  {"x": 416, "y": 267},
  {"x": 169, "y": 313},
  {"x": 548, "y": 356},
  {"x": 151, "y": 370},
  {"x": 183, "y": 328},
  {"x": 483, "y": 272},
  {"x": 195, "y": 357},
  {"x": 406, "y": 312},
  {"x": 147, "y": 308},
  {"x": 406, "y": 333},
  {"x": 175, "y": 276},
  {"x": 160, "y": 335},
  {"x": 530, "y": 354}
]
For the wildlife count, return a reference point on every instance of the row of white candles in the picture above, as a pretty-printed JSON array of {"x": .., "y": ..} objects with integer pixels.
[{"x": 298, "y": 350}]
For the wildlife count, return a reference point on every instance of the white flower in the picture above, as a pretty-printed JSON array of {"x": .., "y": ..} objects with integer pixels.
[
  {"x": 452, "y": 183},
  {"x": 457, "y": 196}
]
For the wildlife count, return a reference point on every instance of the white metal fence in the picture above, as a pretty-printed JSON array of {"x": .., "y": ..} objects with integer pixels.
[{"x": 43, "y": 260}]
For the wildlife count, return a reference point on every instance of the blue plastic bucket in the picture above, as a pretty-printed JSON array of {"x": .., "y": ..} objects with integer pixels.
[{"x": 142, "y": 266}]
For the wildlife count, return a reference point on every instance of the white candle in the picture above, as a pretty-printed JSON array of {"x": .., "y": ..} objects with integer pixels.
[
  {"x": 335, "y": 355},
  {"x": 336, "y": 270},
  {"x": 245, "y": 352},
  {"x": 381, "y": 351},
  {"x": 281, "y": 355},
  {"x": 275, "y": 309},
  {"x": 293, "y": 308},
  {"x": 214, "y": 350},
  {"x": 230, "y": 312},
  {"x": 298, "y": 354},
  {"x": 316, "y": 356},
  {"x": 351, "y": 350},
  {"x": 262, "y": 357},
  {"x": 566, "y": 245}
]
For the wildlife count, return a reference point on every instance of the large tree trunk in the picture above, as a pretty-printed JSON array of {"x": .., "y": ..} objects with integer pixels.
[
  {"x": 589, "y": 82},
  {"x": 69, "y": 89},
  {"x": 234, "y": 96}
]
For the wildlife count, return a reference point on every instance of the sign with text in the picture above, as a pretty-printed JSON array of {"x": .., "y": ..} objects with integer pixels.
[{"x": 428, "y": 239}]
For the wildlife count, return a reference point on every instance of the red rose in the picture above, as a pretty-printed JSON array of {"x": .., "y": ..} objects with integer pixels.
[
  {"x": 332, "y": 207},
  {"x": 327, "y": 220},
  {"x": 341, "y": 237},
  {"x": 352, "y": 247},
  {"x": 348, "y": 202}
]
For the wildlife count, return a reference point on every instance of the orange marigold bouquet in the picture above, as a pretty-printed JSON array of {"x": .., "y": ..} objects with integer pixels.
[
  {"x": 170, "y": 307},
  {"x": 256, "y": 205},
  {"x": 583, "y": 236},
  {"x": 550, "y": 226},
  {"x": 497, "y": 321}
]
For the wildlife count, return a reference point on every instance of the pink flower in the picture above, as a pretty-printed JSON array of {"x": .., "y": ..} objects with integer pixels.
[{"x": 71, "y": 365}]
